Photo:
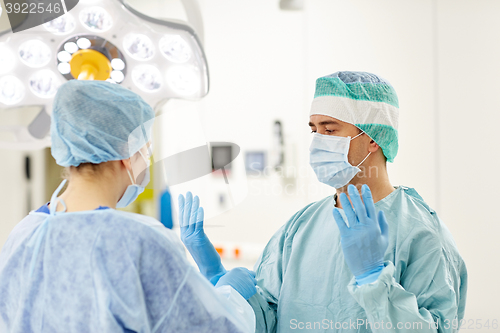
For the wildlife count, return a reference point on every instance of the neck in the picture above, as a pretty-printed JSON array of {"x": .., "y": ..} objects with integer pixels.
[
  {"x": 83, "y": 194},
  {"x": 375, "y": 177}
]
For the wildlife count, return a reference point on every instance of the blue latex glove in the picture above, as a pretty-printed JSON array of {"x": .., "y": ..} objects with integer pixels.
[
  {"x": 242, "y": 280},
  {"x": 193, "y": 236},
  {"x": 366, "y": 239}
]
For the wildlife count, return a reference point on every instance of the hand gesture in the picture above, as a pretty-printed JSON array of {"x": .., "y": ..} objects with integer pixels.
[
  {"x": 366, "y": 239},
  {"x": 193, "y": 236}
]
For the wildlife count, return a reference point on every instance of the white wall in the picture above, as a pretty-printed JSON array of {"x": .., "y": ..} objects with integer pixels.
[{"x": 469, "y": 104}]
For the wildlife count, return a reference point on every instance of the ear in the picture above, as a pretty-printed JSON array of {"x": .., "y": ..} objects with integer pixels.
[
  {"x": 373, "y": 147},
  {"x": 127, "y": 164}
]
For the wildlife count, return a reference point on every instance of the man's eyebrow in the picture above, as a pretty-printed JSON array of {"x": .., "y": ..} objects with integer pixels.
[{"x": 326, "y": 122}]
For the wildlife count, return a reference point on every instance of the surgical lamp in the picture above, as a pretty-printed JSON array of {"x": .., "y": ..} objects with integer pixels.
[{"x": 96, "y": 40}]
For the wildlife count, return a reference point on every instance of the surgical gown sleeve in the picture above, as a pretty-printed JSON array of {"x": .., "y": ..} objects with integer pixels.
[
  {"x": 430, "y": 295},
  {"x": 177, "y": 297},
  {"x": 270, "y": 269}
]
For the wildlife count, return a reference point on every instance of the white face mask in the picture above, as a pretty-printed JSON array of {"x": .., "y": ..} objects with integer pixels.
[
  {"x": 328, "y": 158},
  {"x": 134, "y": 190}
]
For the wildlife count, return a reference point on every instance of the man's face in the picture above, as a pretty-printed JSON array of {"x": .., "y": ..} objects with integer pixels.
[{"x": 331, "y": 126}]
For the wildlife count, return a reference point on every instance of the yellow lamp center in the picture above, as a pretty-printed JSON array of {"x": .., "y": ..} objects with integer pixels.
[{"x": 90, "y": 65}]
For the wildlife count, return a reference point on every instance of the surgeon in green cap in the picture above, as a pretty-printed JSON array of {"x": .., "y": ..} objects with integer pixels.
[
  {"x": 372, "y": 257},
  {"x": 393, "y": 267}
]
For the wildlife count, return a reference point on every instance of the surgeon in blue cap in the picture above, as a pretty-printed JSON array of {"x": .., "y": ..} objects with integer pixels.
[{"x": 79, "y": 265}]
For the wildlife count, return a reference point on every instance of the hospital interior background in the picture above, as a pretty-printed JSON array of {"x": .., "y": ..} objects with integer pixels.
[{"x": 442, "y": 57}]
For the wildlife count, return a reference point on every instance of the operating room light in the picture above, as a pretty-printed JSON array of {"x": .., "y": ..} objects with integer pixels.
[
  {"x": 183, "y": 80},
  {"x": 175, "y": 49},
  {"x": 71, "y": 47},
  {"x": 138, "y": 46},
  {"x": 11, "y": 90},
  {"x": 118, "y": 64},
  {"x": 100, "y": 40},
  {"x": 44, "y": 83},
  {"x": 83, "y": 43},
  {"x": 117, "y": 76},
  {"x": 7, "y": 60},
  {"x": 147, "y": 78},
  {"x": 64, "y": 68},
  {"x": 96, "y": 19},
  {"x": 64, "y": 56},
  {"x": 35, "y": 53},
  {"x": 61, "y": 25}
]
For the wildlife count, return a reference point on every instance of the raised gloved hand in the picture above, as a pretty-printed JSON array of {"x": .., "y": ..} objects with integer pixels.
[
  {"x": 196, "y": 241},
  {"x": 366, "y": 239},
  {"x": 242, "y": 280}
]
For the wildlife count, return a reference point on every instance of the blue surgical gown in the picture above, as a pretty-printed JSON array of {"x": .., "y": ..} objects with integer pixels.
[
  {"x": 305, "y": 284},
  {"x": 107, "y": 271}
]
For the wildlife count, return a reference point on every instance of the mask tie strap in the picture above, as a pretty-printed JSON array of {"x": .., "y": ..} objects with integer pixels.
[
  {"x": 130, "y": 176},
  {"x": 363, "y": 159},
  {"x": 54, "y": 200},
  {"x": 147, "y": 160},
  {"x": 366, "y": 155},
  {"x": 147, "y": 165},
  {"x": 358, "y": 135}
]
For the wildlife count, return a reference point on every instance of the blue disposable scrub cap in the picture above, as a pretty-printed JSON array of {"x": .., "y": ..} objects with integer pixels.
[{"x": 98, "y": 121}]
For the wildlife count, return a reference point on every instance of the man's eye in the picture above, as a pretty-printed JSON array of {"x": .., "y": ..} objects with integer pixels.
[
  {"x": 313, "y": 131},
  {"x": 329, "y": 131}
]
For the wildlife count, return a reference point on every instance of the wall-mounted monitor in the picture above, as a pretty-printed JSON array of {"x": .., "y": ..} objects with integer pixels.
[{"x": 255, "y": 161}]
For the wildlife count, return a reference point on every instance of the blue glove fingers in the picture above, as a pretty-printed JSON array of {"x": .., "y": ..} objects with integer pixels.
[
  {"x": 250, "y": 273},
  {"x": 349, "y": 212},
  {"x": 187, "y": 208},
  {"x": 241, "y": 280},
  {"x": 384, "y": 226},
  {"x": 357, "y": 203},
  {"x": 194, "y": 210},
  {"x": 199, "y": 219},
  {"x": 194, "y": 213},
  {"x": 340, "y": 221},
  {"x": 368, "y": 201},
  {"x": 181, "y": 210}
]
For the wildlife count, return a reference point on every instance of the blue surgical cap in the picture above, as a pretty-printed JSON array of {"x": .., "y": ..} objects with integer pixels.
[{"x": 98, "y": 121}]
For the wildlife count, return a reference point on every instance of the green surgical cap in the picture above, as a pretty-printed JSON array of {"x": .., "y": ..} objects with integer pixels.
[
  {"x": 365, "y": 100},
  {"x": 98, "y": 121}
]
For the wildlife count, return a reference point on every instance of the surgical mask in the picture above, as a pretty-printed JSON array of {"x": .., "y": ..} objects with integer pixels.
[
  {"x": 328, "y": 158},
  {"x": 134, "y": 190}
]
